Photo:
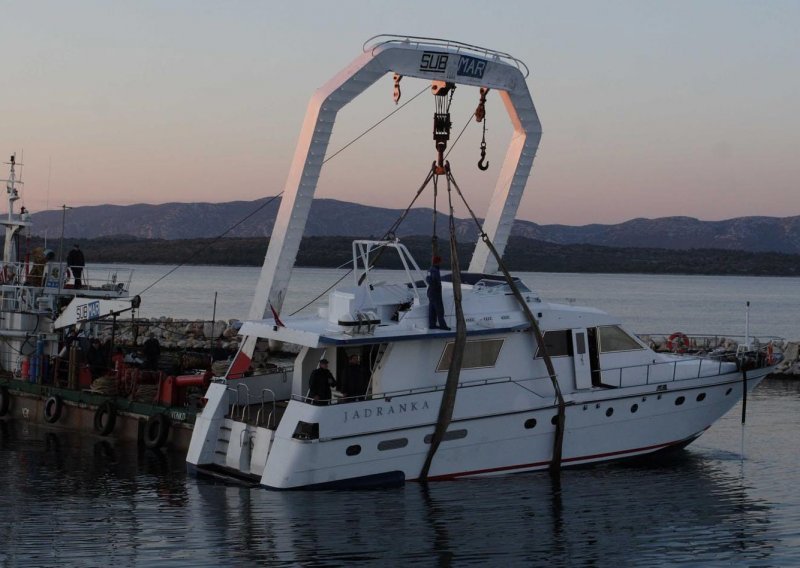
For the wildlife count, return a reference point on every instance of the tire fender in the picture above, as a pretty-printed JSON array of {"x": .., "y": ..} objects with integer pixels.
[
  {"x": 52, "y": 409},
  {"x": 105, "y": 418},
  {"x": 156, "y": 431}
]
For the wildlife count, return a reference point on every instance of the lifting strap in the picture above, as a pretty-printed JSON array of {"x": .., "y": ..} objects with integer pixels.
[
  {"x": 454, "y": 370},
  {"x": 435, "y": 237},
  {"x": 558, "y": 443}
]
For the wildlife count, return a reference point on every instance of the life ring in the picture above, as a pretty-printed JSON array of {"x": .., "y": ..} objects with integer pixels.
[
  {"x": 5, "y": 401},
  {"x": 105, "y": 417},
  {"x": 156, "y": 431},
  {"x": 678, "y": 342},
  {"x": 52, "y": 409}
]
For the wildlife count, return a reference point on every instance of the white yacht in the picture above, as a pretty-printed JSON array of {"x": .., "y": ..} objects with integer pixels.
[{"x": 516, "y": 384}]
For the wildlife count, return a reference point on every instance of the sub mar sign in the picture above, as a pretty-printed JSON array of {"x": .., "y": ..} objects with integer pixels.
[
  {"x": 436, "y": 62},
  {"x": 471, "y": 67},
  {"x": 88, "y": 311},
  {"x": 433, "y": 61}
]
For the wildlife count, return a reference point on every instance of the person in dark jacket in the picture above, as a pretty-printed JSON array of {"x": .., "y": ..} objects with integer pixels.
[
  {"x": 96, "y": 357},
  {"x": 76, "y": 263},
  {"x": 435, "y": 304},
  {"x": 152, "y": 352},
  {"x": 320, "y": 383}
]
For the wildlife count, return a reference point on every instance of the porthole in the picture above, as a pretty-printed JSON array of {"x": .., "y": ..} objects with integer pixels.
[
  {"x": 634, "y": 408},
  {"x": 680, "y": 400},
  {"x": 353, "y": 450},
  {"x": 609, "y": 411},
  {"x": 727, "y": 392},
  {"x": 701, "y": 397},
  {"x": 554, "y": 420},
  {"x": 395, "y": 444},
  {"x": 530, "y": 423}
]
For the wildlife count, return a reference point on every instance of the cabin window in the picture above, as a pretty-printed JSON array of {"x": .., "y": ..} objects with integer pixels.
[
  {"x": 449, "y": 435},
  {"x": 477, "y": 354},
  {"x": 306, "y": 431},
  {"x": 558, "y": 343},
  {"x": 613, "y": 338},
  {"x": 395, "y": 444}
]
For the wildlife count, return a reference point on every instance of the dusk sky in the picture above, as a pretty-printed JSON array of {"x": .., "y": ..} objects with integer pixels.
[{"x": 649, "y": 109}]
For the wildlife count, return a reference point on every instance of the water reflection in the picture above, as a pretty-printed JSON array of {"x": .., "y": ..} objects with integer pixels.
[
  {"x": 644, "y": 514},
  {"x": 69, "y": 498}
]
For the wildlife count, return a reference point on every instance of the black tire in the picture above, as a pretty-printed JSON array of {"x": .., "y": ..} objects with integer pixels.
[
  {"x": 156, "y": 431},
  {"x": 5, "y": 401},
  {"x": 105, "y": 417},
  {"x": 52, "y": 409}
]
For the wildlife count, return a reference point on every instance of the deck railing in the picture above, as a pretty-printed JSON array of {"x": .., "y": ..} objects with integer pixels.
[
  {"x": 663, "y": 372},
  {"x": 53, "y": 276}
]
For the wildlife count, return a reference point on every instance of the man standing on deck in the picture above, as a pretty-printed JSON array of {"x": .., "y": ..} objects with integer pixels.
[
  {"x": 320, "y": 383},
  {"x": 435, "y": 304},
  {"x": 76, "y": 263},
  {"x": 152, "y": 351}
]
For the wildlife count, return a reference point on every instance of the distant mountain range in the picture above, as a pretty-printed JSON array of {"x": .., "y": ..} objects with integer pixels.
[{"x": 330, "y": 217}]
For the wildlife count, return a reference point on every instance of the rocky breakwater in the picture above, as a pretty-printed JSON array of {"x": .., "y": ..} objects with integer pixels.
[
  {"x": 791, "y": 360},
  {"x": 175, "y": 334}
]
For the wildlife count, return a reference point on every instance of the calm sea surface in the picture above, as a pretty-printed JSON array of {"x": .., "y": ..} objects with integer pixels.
[{"x": 731, "y": 498}]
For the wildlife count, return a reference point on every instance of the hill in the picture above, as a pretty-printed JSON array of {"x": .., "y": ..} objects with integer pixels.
[
  {"x": 330, "y": 217},
  {"x": 522, "y": 254}
]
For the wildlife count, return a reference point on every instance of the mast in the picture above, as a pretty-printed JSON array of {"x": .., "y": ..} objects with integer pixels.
[{"x": 14, "y": 223}]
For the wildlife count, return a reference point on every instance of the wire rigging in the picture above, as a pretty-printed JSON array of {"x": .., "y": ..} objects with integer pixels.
[
  {"x": 373, "y": 127},
  {"x": 194, "y": 253},
  {"x": 259, "y": 208}
]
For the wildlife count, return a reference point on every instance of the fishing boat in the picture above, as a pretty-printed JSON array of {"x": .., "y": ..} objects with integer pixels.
[
  {"x": 506, "y": 382},
  {"x": 49, "y": 317}
]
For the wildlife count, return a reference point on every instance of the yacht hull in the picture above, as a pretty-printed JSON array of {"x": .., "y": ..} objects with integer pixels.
[{"x": 602, "y": 425}]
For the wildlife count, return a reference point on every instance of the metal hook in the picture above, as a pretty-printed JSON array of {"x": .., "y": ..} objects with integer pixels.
[{"x": 481, "y": 166}]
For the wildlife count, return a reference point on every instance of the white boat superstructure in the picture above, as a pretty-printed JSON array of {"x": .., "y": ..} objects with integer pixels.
[
  {"x": 36, "y": 287},
  {"x": 589, "y": 391}
]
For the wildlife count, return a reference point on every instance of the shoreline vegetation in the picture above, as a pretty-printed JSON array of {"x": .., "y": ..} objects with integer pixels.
[{"x": 522, "y": 254}]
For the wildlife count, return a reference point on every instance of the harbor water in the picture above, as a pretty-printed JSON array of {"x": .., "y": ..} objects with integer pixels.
[{"x": 730, "y": 498}]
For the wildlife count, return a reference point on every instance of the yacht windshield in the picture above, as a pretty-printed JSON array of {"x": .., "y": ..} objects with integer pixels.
[{"x": 500, "y": 286}]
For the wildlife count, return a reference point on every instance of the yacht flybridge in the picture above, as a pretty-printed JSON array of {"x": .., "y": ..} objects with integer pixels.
[{"x": 512, "y": 383}]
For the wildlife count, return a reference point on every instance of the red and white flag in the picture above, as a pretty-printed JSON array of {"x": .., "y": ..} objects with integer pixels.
[{"x": 276, "y": 316}]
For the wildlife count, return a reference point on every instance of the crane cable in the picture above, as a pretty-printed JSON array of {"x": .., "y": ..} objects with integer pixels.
[
  {"x": 197, "y": 250},
  {"x": 388, "y": 234},
  {"x": 373, "y": 127}
]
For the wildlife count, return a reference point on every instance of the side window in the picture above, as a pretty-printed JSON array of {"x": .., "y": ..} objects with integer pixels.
[
  {"x": 558, "y": 343},
  {"x": 477, "y": 354},
  {"x": 613, "y": 338},
  {"x": 580, "y": 343}
]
